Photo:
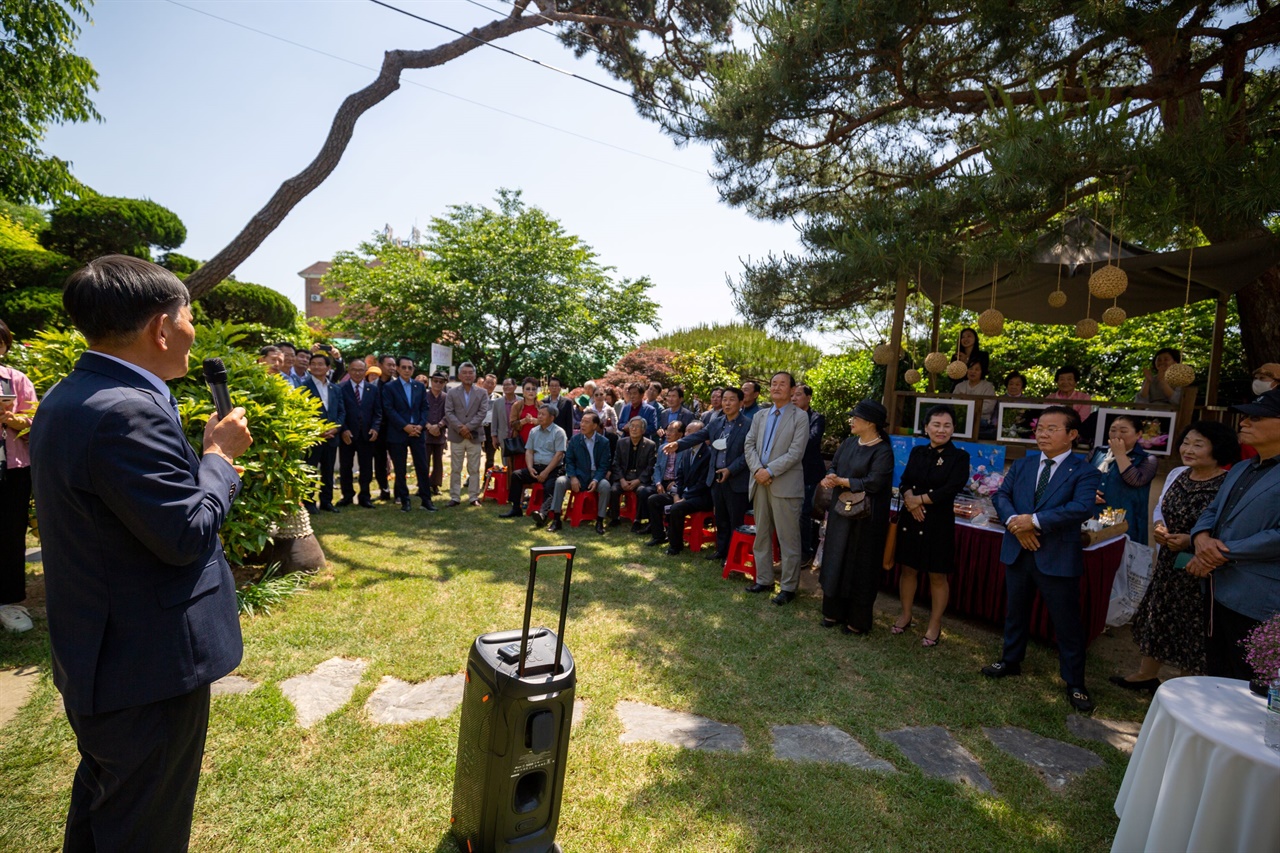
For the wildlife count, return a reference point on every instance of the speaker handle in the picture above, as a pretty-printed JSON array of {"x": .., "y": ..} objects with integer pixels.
[{"x": 536, "y": 554}]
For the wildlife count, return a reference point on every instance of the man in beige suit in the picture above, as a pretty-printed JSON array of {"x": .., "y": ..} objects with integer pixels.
[
  {"x": 464, "y": 409},
  {"x": 775, "y": 450}
]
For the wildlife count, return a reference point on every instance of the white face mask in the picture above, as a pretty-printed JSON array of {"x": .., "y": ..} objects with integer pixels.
[
  {"x": 720, "y": 443},
  {"x": 1261, "y": 386}
]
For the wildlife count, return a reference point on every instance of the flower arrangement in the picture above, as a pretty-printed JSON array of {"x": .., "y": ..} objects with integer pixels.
[
  {"x": 1262, "y": 649},
  {"x": 984, "y": 483}
]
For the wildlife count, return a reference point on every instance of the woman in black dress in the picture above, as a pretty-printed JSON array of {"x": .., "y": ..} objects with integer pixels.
[
  {"x": 935, "y": 474},
  {"x": 854, "y": 548},
  {"x": 1169, "y": 626}
]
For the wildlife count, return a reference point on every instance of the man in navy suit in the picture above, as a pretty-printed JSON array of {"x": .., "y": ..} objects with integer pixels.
[
  {"x": 325, "y": 454},
  {"x": 689, "y": 493},
  {"x": 1042, "y": 502},
  {"x": 404, "y": 417},
  {"x": 141, "y": 603},
  {"x": 727, "y": 473},
  {"x": 360, "y": 428}
]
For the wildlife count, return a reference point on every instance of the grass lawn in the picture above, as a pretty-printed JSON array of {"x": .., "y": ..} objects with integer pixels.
[{"x": 410, "y": 592}]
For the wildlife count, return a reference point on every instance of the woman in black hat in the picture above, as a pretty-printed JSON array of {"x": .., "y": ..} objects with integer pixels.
[
  {"x": 935, "y": 474},
  {"x": 854, "y": 547}
]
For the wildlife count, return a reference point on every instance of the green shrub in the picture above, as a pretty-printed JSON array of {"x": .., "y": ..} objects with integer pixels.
[
  {"x": 14, "y": 235},
  {"x": 32, "y": 309},
  {"x": 750, "y": 352},
  {"x": 180, "y": 265},
  {"x": 698, "y": 371},
  {"x": 20, "y": 268},
  {"x": 87, "y": 228},
  {"x": 284, "y": 422},
  {"x": 839, "y": 382},
  {"x": 245, "y": 302}
]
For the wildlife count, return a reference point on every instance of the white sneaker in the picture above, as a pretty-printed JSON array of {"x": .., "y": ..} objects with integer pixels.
[{"x": 15, "y": 618}]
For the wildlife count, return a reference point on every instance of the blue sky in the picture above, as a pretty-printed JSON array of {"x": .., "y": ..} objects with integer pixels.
[{"x": 207, "y": 118}]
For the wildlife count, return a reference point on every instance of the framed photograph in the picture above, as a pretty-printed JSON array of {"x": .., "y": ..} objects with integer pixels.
[
  {"x": 966, "y": 425},
  {"x": 1156, "y": 430},
  {"x": 1016, "y": 421}
]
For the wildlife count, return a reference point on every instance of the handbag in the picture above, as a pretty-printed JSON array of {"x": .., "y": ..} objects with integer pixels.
[
  {"x": 890, "y": 548},
  {"x": 513, "y": 446},
  {"x": 846, "y": 504}
]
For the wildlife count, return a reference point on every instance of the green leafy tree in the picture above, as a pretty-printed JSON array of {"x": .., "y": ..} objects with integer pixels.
[
  {"x": 508, "y": 288},
  {"x": 748, "y": 350},
  {"x": 178, "y": 264},
  {"x": 31, "y": 309},
  {"x": 285, "y": 422},
  {"x": 902, "y": 133},
  {"x": 839, "y": 382},
  {"x": 87, "y": 228},
  {"x": 44, "y": 83},
  {"x": 701, "y": 370}
]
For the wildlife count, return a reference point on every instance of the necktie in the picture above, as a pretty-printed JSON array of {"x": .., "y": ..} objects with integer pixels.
[
  {"x": 173, "y": 404},
  {"x": 768, "y": 434},
  {"x": 1043, "y": 483},
  {"x": 359, "y": 392}
]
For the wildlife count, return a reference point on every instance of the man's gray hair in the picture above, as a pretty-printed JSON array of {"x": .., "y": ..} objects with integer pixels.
[
  {"x": 638, "y": 419},
  {"x": 546, "y": 407}
]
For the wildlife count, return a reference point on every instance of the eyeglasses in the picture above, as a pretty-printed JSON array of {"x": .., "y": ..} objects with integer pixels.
[{"x": 1048, "y": 430}]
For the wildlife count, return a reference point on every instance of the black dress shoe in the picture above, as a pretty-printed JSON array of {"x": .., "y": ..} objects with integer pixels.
[
  {"x": 385, "y": 496},
  {"x": 674, "y": 550},
  {"x": 783, "y": 597},
  {"x": 1148, "y": 685},
  {"x": 600, "y": 526},
  {"x": 344, "y": 502},
  {"x": 428, "y": 505},
  {"x": 514, "y": 512},
  {"x": 1000, "y": 669},
  {"x": 759, "y": 587},
  {"x": 330, "y": 508},
  {"x": 554, "y": 525},
  {"x": 405, "y": 507},
  {"x": 1079, "y": 699},
  {"x": 713, "y": 556},
  {"x": 538, "y": 518},
  {"x": 655, "y": 541},
  {"x": 454, "y": 503},
  {"x": 366, "y": 503},
  {"x": 637, "y": 527}
]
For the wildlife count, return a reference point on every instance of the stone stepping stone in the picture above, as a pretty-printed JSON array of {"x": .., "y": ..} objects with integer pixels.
[
  {"x": 395, "y": 702},
  {"x": 824, "y": 743},
  {"x": 1122, "y": 734},
  {"x": 937, "y": 754},
  {"x": 324, "y": 690},
  {"x": 232, "y": 685},
  {"x": 35, "y": 555},
  {"x": 580, "y": 708},
  {"x": 16, "y": 686},
  {"x": 642, "y": 722},
  {"x": 1056, "y": 762}
]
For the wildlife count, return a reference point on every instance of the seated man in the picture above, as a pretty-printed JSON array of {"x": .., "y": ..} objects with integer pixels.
[
  {"x": 690, "y": 494},
  {"x": 586, "y": 470},
  {"x": 544, "y": 451},
  {"x": 633, "y": 460},
  {"x": 663, "y": 482}
]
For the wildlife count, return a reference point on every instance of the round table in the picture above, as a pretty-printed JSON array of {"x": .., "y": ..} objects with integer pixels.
[{"x": 1201, "y": 777}]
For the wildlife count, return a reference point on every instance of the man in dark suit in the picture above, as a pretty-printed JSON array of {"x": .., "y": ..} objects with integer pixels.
[
  {"x": 360, "y": 431},
  {"x": 675, "y": 411},
  {"x": 1043, "y": 501},
  {"x": 633, "y": 461},
  {"x": 727, "y": 474},
  {"x": 636, "y": 407},
  {"x": 141, "y": 603},
  {"x": 587, "y": 463},
  {"x": 688, "y": 494},
  {"x": 404, "y": 417},
  {"x": 814, "y": 470},
  {"x": 325, "y": 454},
  {"x": 387, "y": 363},
  {"x": 562, "y": 405}
]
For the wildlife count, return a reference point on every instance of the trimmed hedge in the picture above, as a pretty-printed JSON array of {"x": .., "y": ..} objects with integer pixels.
[
  {"x": 21, "y": 268},
  {"x": 32, "y": 309},
  {"x": 88, "y": 228},
  {"x": 245, "y": 302}
]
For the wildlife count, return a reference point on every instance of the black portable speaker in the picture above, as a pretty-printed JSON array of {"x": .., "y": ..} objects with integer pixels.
[{"x": 517, "y": 707}]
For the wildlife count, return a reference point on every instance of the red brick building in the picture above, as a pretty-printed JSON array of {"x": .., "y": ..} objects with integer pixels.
[{"x": 319, "y": 305}]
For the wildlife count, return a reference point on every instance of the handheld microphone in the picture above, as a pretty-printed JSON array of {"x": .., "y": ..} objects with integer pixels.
[{"x": 215, "y": 376}]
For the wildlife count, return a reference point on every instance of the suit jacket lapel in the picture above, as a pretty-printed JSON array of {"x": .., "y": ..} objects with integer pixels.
[{"x": 1268, "y": 481}]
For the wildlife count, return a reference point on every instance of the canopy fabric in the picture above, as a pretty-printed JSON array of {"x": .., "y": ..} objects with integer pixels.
[{"x": 1157, "y": 280}]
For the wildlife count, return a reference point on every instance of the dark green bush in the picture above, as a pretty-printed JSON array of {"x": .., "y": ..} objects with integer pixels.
[
  {"x": 88, "y": 228},
  {"x": 32, "y": 309},
  {"x": 179, "y": 264},
  {"x": 21, "y": 268},
  {"x": 245, "y": 302}
]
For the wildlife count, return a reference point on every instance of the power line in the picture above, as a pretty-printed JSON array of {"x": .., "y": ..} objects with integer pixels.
[
  {"x": 631, "y": 96},
  {"x": 465, "y": 100}
]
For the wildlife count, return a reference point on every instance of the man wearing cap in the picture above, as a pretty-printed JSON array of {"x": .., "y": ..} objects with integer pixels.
[
  {"x": 1042, "y": 502},
  {"x": 775, "y": 452},
  {"x": 435, "y": 433},
  {"x": 1237, "y": 541}
]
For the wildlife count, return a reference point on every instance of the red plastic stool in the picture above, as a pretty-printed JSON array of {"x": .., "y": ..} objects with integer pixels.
[
  {"x": 495, "y": 485},
  {"x": 536, "y": 497},
  {"x": 696, "y": 529},
  {"x": 629, "y": 506},
  {"x": 741, "y": 552},
  {"x": 582, "y": 505}
]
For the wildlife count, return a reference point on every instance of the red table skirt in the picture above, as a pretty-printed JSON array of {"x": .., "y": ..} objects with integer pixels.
[{"x": 977, "y": 584}]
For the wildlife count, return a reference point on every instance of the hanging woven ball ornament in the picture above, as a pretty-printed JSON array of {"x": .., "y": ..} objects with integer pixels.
[
  {"x": 1057, "y": 299},
  {"x": 883, "y": 354},
  {"x": 912, "y": 376},
  {"x": 1108, "y": 282},
  {"x": 957, "y": 369},
  {"x": 1087, "y": 328},
  {"x": 1180, "y": 375},
  {"x": 991, "y": 323},
  {"x": 1114, "y": 316},
  {"x": 935, "y": 362}
]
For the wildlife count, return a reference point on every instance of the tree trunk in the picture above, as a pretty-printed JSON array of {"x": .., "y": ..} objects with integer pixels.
[{"x": 1259, "y": 307}]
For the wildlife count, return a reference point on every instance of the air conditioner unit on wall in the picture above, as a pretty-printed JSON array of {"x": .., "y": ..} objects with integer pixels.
[{"x": 316, "y": 297}]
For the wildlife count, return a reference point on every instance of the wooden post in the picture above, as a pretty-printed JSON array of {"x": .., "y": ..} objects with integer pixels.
[
  {"x": 895, "y": 344},
  {"x": 1215, "y": 354}
]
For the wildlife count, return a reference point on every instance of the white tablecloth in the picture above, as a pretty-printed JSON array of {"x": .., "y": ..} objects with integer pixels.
[{"x": 1201, "y": 777}]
